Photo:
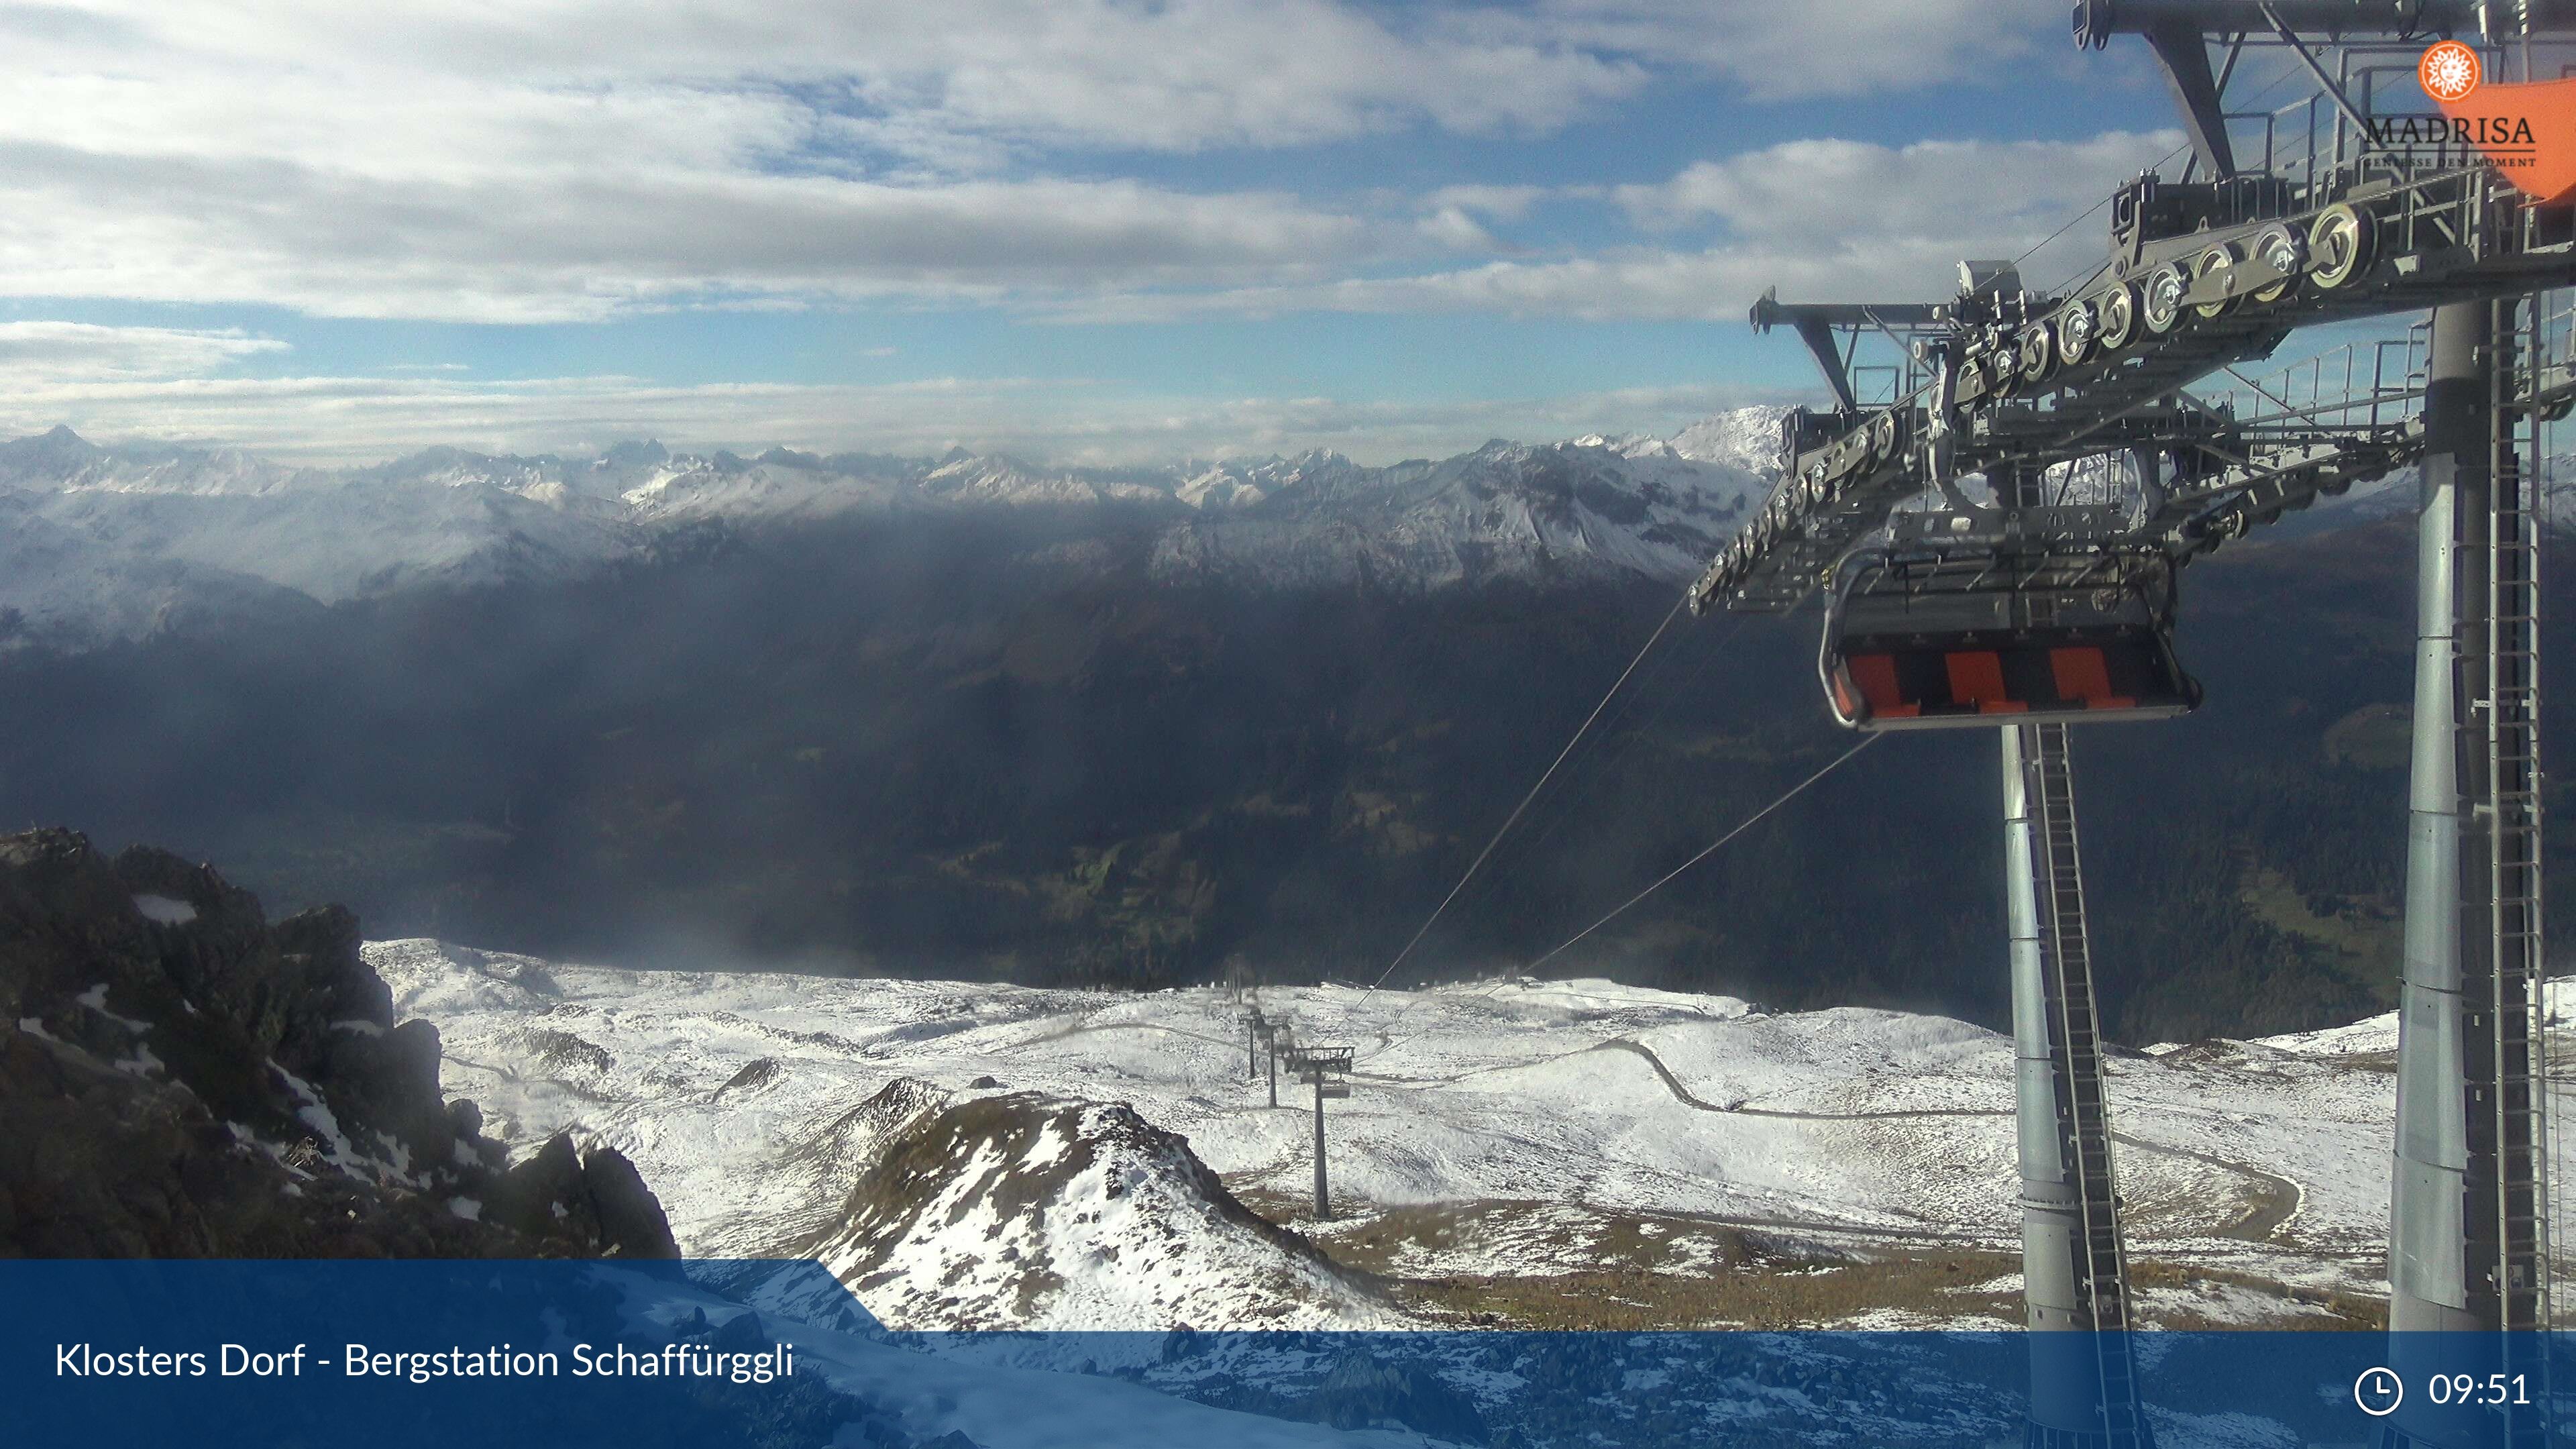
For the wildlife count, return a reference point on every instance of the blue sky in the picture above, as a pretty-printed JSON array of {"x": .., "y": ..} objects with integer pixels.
[{"x": 1078, "y": 230}]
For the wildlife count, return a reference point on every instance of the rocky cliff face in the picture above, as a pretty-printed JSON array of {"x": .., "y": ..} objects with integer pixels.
[{"x": 179, "y": 1077}]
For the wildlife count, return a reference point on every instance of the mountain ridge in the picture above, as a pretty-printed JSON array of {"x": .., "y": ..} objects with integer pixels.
[{"x": 112, "y": 541}]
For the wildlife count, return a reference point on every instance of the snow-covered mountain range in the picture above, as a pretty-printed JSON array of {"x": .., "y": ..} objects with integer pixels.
[{"x": 113, "y": 541}]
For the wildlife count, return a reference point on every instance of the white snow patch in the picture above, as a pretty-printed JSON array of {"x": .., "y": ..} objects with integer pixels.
[
  {"x": 142, "y": 1064},
  {"x": 96, "y": 1000},
  {"x": 168, "y": 910}
]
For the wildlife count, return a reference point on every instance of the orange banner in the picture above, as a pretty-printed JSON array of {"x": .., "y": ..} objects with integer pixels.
[{"x": 2528, "y": 131}]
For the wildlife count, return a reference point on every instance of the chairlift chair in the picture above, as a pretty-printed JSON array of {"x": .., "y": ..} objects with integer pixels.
[{"x": 1938, "y": 638}]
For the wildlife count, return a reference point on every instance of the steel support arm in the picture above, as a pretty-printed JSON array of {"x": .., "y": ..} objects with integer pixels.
[
  {"x": 2096, "y": 21},
  {"x": 2184, "y": 58},
  {"x": 1815, "y": 322}
]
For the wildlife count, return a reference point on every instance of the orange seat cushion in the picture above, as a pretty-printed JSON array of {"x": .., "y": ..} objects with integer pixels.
[
  {"x": 1977, "y": 677},
  {"x": 2083, "y": 674}
]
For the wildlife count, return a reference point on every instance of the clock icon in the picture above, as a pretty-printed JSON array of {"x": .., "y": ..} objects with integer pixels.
[{"x": 2378, "y": 1391}]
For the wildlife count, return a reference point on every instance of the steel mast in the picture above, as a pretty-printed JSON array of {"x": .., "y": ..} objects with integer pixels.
[
  {"x": 2084, "y": 1383},
  {"x": 2468, "y": 1247}
]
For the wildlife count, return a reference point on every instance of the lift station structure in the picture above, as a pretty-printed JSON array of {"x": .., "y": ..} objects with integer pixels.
[{"x": 1999, "y": 504}]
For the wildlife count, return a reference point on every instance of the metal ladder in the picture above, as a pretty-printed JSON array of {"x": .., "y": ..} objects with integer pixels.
[
  {"x": 2509, "y": 1114},
  {"x": 2083, "y": 1124}
]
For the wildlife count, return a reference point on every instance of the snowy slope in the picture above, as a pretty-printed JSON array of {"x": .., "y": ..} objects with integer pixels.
[{"x": 1563, "y": 1114}]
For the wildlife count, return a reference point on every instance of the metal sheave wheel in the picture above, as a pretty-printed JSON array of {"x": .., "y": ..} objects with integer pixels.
[
  {"x": 2075, "y": 331},
  {"x": 2160, "y": 300},
  {"x": 2279, "y": 248},
  {"x": 2001, "y": 365},
  {"x": 2118, "y": 314},
  {"x": 2038, "y": 354},
  {"x": 2213, "y": 267},
  {"x": 2339, "y": 243}
]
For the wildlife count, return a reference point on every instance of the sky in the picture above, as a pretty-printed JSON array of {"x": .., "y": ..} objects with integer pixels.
[{"x": 1081, "y": 231}]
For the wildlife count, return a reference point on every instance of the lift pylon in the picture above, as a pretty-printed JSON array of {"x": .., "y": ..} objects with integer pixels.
[
  {"x": 2468, "y": 1249},
  {"x": 1275, "y": 1038},
  {"x": 1324, "y": 1067},
  {"x": 2084, "y": 1389}
]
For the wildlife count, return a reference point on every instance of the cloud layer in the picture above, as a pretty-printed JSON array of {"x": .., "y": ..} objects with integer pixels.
[
  {"x": 569, "y": 160},
  {"x": 578, "y": 163},
  {"x": 337, "y": 420}
]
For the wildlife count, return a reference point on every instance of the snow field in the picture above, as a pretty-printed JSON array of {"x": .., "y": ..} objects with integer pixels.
[{"x": 2265, "y": 1157}]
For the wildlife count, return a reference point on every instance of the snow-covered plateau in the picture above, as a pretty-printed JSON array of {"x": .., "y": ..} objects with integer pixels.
[{"x": 1513, "y": 1153}]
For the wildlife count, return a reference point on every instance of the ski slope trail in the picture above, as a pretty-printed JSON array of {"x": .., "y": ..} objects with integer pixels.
[{"x": 2277, "y": 1198}]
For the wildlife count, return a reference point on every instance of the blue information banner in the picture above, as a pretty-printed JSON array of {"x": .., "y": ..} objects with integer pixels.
[{"x": 386, "y": 1355}]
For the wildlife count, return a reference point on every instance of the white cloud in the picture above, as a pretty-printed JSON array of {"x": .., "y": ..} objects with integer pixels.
[
  {"x": 1838, "y": 189},
  {"x": 580, "y": 160},
  {"x": 1503, "y": 203},
  {"x": 572, "y": 159},
  {"x": 361, "y": 420},
  {"x": 1822, "y": 220},
  {"x": 43, "y": 350},
  {"x": 577, "y": 247},
  {"x": 1817, "y": 47},
  {"x": 1452, "y": 229},
  {"x": 1177, "y": 76}
]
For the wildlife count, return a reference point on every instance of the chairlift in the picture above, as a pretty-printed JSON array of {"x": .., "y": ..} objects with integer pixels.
[{"x": 1933, "y": 637}]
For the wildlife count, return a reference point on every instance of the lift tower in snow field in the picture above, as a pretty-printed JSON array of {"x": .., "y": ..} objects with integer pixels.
[
  {"x": 1325, "y": 1067},
  {"x": 1275, "y": 1037},
  {"x": 1998, "y": 509}
]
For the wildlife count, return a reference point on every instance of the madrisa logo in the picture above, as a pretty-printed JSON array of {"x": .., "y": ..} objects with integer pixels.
[
  {"x": 2449, "y": 71},
  {"x": 2527, "y": 132},
  {"x": 2490, "y": 134}
]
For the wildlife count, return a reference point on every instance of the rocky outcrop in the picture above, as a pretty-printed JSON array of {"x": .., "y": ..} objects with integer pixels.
[
  {"x": 1031, "y": 1211},
  {"x": 599, "y": 1202},
  {"x": 181, "y": 1078}
]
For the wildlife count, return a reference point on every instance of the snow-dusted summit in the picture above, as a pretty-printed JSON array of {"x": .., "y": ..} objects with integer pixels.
[{"x": 1591, "y": 506}]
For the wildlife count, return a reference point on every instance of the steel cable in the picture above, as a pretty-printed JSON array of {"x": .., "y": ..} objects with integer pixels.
[
  {"x": 1514, "y": 818},
  {"x": 1389, "y": 1044}
]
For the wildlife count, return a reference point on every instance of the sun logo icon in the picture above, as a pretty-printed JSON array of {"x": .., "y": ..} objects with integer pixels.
[{"x": 2449, "y": 71}]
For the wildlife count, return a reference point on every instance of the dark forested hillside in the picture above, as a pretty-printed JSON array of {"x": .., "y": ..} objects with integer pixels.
[{"x": 989, "y": 745}]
